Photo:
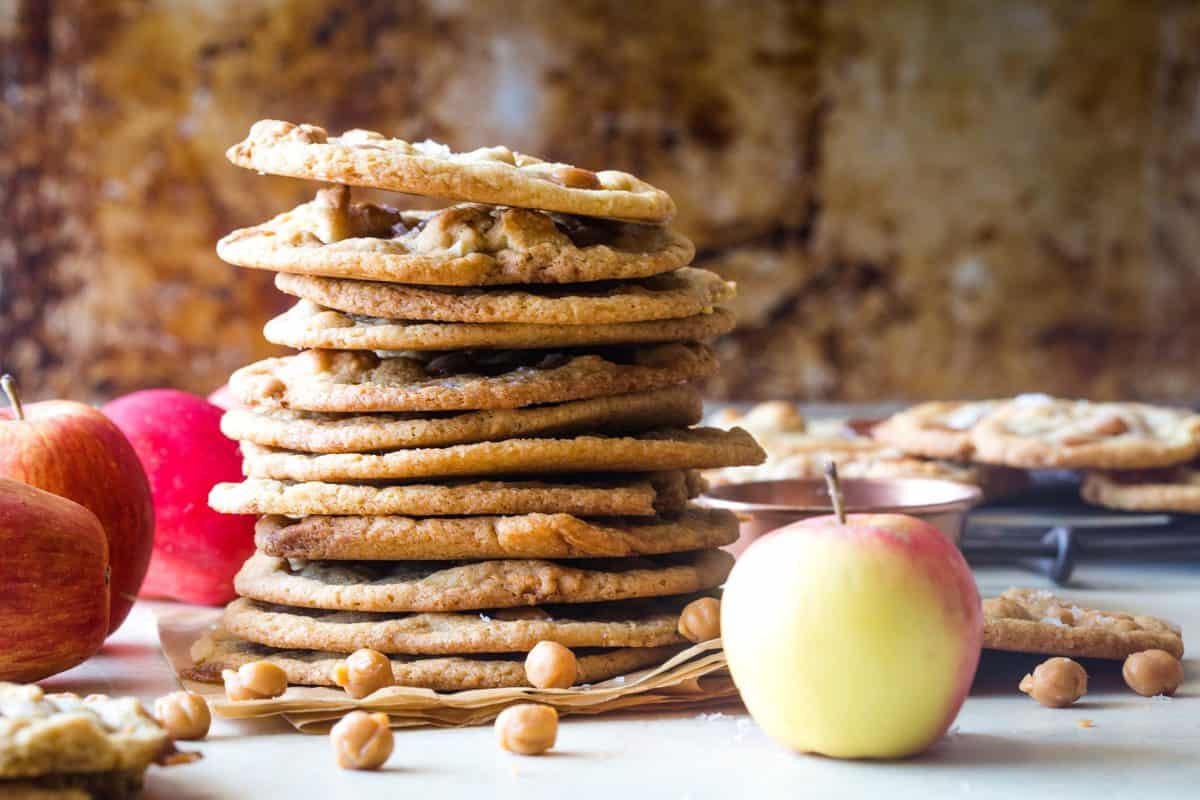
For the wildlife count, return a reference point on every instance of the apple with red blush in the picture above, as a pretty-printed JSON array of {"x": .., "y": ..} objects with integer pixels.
[
  {"x": 853, "y": 636},
  {"x": 74, "y": 451},
  {"x": 54, "y": 583},
  {"x": 178, "y": 438}
]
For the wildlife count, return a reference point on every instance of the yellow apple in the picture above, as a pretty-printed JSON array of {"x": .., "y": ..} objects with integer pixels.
[{"x": 853, "y": 638}]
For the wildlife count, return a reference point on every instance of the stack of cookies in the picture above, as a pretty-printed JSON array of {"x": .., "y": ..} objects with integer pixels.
[{"x": 485, "y": 442}]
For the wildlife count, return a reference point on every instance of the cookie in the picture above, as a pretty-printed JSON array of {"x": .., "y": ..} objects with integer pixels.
[
  {"x": 219, "y": 650},
  {"x": 308, "y": 325},
  {"x": 632, "y": 623},
  {"x": 935, "y": 430},
  {"x": 493, "y": 175},
  {"x": 682, "y": 293},
  {"x": 62, "y": 741},
  {"x": 1036, "y": 621},
  {"x": 464, "y": 245},
  {"x": 1035, "y": 431},
  {"x": 356, "y": 382},
  {"x": 672, "y": 407},
  {"x": 641, "y": 495},
  {"x": 1172, "y": 489},
  {"x": 563, "y": 536},
  {"x": 464, "y": 586},
  {"x": 669, "y": 449}
]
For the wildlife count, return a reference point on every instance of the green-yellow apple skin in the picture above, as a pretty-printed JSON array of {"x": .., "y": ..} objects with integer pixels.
[{"x": 855, "y": 640}]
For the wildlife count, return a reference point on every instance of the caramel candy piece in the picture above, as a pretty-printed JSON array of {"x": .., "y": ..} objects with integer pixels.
[
  {"x": 528, "y": 729},
  {"x": 361, "y": 740},
  {"x": 1152, "y": 672},
  {"x": 549, "y": 665},
  {"x": 183, "y": 715},
  {"x": 700, "y": 620},
  {"x": 575, "y": 178},
  {"x": 1056, "y": 683},
  {"x": 363, "y": 673},
  {"x": 257, "y": 680}
]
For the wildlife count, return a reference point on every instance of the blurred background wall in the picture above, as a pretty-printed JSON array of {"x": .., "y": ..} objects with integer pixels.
[{"x": 918, "y": 199}]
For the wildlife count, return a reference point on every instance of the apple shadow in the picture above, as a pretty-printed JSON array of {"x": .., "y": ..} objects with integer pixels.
[{"x": 982, "y": 749}]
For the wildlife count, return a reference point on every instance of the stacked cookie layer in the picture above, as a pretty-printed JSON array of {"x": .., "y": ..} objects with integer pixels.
[{"x": 485, "y": 441}]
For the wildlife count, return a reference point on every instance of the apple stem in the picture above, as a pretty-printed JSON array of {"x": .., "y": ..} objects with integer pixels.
[
  {"x": 835, "y": 492},
  {"x": 9, "y": 384}
]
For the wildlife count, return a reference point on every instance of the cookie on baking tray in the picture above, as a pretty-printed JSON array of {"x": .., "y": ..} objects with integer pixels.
[
  {"x": 372, "y": 538},
  {"x": 936, "y": 429},
  {"x": 1037, "y": 621},
  {"x": 96, "y": 746},
  {"x": 640, "y": 495},
  {"x": 629, "y": 623},
  {"x": 472, "y": 585},
  {"x": 309, "y": 325},
  {"x": 684, "y": 292},
  {"x": 218, "y": 650},
  {"x": 1170, "y": 489},
  {"x": 664, "y": 449},
  {"x": 314, "y": 432},
  {"x": 1036, "y": 431},
  {"x": 358, "y": 382},
  {"x": 494, "y": 175}
]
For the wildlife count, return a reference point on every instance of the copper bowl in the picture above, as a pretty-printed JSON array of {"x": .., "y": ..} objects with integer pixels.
[{"x": 764, "y": 506}]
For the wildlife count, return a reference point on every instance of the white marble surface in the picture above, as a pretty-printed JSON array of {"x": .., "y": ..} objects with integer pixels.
[{"x": 1003, "y": 744}]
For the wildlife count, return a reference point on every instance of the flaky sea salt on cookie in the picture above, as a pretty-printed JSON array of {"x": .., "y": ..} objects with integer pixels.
[
  {"x": 1037, "y": 621},
  {"x": 1034, "y": 431},
  {"x": 474, "y": 585},
  {"x": 651, "y": 622},
  {"x": 680, "y": 293},
  {"x": 464, "y": 245},
  {"x": 494, "y": 175},
  {"x": 220, "y": 650},
  {"x": 355, "y": 382},
  {"x": 1170, "y": 489},
  {"x": 308, "y": 325},
  {"x": 387, "y": 538}
]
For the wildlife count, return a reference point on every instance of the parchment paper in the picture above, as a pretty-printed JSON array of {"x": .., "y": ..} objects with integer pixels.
[{"x": 696, "y": 677}]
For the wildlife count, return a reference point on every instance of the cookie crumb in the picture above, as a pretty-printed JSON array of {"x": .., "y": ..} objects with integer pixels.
[{"x": 1086, "y": 723}]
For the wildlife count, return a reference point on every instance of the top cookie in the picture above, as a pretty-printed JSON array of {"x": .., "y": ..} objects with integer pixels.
[
  {"x": 1035, "y": 431},
  {"x": 464, "y": 245},
  {"x": 494, "y": 175}
]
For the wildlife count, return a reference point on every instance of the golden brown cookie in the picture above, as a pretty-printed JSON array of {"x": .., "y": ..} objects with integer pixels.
[
  {"x": 464, "y": 586},
  {"x": 1036, "y": 621},
  {"x": 312, "y": 432},
  {"x": 356, "y": 382},
  {"x": 681, "y": 293},
  {"x": 465, "y": 245},
  {"x": 630, "y": 623},
  {"x": 95, "y": 744},
  {"x": 218, "y": 650},
  {"x": 309, "y": 325},
  {"x": 1171, "y": 489},
  {"x": 935, "y": 430},
  {"x": 1035, "y": 431},
  {"x": 494, "y": 175},
  {"x": 643, "y": 494},
  {"x": 564, "y": 536},
  {"x": 670, "y": 449}
]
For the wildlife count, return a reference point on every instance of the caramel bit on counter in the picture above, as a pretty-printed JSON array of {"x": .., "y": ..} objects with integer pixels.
[{"x": 1086, "y": 723}]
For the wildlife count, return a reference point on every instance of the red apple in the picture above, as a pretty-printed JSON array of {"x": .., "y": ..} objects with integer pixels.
[
  {"x": 53, "y": 583},
  {"x": 853, "y": 636},
  {"x": 223, "y": 397},
  {"x": 73, "y": 450},
  {"x": 178, "y": 438}
]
